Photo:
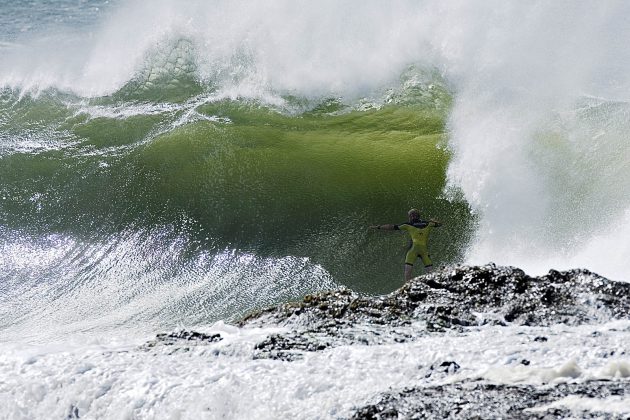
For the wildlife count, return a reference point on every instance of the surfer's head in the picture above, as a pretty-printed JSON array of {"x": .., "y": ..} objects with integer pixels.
[{"x": 413, "y": 214}]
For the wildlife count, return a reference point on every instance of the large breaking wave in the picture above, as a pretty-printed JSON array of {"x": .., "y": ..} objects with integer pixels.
[{"x": 213, "y": 147}]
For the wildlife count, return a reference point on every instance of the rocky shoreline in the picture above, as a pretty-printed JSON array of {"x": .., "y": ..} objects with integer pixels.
[{"x": 450, "y": 300}]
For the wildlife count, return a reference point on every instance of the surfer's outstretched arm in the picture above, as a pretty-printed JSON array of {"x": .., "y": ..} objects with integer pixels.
[
  {"x": 436, "y": 223},
  {"x": 383, "y": 227}
]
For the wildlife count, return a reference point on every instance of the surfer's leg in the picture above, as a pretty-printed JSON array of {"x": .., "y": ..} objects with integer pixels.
[
  {"x": 410, "y": 258},
  {"x": 408, "y": 271},
  {"x": 426, "y": 260}
]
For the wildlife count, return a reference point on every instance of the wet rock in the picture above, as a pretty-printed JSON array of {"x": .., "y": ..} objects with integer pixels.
[
  {"x": 470, "y": 400},
  {"x": 442, "y": 370},
  {"x": 448, "y": 299},
  {"x": 190, "y": 337},
  {"x": 73, "y": 413},
  {"x": 450, "y": 367},
  {"x": 288, "y": 348},
  {"x": 572, "y": 297}
]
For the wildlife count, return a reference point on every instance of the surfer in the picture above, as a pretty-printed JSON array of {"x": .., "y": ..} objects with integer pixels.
[{"x": 419, "y": 231}]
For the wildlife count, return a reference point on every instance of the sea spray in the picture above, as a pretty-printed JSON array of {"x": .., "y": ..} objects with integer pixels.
[{"x": 536, "y": 131}]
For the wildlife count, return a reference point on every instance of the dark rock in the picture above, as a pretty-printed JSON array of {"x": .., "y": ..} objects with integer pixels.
[
  {"x": 191, "y": 337},
  {"x": 473, "y": 400},
  {"x": 447, "y": 299},
  {"x": 431, "y": 304},
  {"x": 73, "y": 413},
  {"x": 450, "y": 367},
  {"x": 574, "y": 297}
]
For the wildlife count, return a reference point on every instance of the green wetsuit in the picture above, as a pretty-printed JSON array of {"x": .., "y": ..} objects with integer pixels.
[{"x": 419, "y": 232}]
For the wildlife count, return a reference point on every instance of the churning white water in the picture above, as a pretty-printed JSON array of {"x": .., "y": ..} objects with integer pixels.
[{"x": 221, "y": 380}]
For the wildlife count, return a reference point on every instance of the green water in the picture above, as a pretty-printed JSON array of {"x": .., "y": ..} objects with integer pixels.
[{"x": 253, "y": 179}]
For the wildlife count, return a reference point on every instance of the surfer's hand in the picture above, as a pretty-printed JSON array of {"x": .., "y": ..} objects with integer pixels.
[{"x": 374, "y": 227}]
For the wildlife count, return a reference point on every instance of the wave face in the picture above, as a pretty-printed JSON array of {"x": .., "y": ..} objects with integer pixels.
[
  {"x": 204, "y": 211},
  {"x": 189, "y": 161},
  {"x": 171, "y": 178}
]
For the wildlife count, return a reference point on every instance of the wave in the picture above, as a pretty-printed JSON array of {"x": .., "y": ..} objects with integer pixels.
[
  {"x": 305, "y": 123},
  {"x": 165, "y": 208},
  {"x": 139, "y": 166}
]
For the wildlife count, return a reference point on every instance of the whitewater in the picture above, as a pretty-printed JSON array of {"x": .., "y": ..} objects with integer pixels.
[{"x": 175, "y": 165}]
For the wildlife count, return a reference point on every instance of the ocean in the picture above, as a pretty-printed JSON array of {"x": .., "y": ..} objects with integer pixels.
[{"x": 174, "y": 165}]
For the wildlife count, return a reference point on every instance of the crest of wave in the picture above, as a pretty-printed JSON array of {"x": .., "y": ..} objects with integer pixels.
[{"x": 245, "y": 48}]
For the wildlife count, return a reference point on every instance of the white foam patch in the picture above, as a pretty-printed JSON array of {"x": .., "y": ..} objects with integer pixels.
[
  {"x": 221, "y": 379},
  {"x": 579, "y": 405}
]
